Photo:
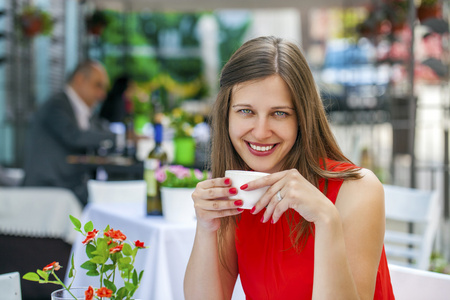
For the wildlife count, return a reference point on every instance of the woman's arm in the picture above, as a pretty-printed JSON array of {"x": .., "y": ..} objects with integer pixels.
[
  {"x": 348, "y": 235},
  {"x": 361, "y": 207},
  {"x": 206, "y": 277},
  {"x": 349, "y": 240}
]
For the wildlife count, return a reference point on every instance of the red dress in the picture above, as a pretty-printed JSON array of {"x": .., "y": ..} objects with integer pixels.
[{"x": 270, "y": 268}]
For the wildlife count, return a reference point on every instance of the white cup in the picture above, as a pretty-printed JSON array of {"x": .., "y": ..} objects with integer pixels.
[{"x": 239, "y": 178}]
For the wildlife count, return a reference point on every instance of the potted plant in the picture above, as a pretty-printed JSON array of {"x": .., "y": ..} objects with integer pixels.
[
  {"x": 97, "y": 22},
  {"x": 428, "y": 9},
  {"x": 34, "y": 21},
  {"x": 110, "y": 256},
  {"x": 183, "y": 123},
  {"x": 177, "y": 185}
]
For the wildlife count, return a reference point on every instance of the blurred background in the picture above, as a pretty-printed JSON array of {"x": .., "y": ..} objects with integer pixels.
[{"x": 382, "y": 67}]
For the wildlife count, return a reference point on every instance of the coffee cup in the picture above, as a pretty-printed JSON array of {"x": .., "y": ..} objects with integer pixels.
[{"x": 239, "y": 178}]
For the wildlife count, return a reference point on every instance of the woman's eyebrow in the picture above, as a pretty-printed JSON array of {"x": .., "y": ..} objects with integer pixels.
[
  {"x": 275, "y": 107},
  {"x": 283, "y": 107}
]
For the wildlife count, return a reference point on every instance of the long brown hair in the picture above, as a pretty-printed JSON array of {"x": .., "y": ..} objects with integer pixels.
[{"x": 255, "y": 60}]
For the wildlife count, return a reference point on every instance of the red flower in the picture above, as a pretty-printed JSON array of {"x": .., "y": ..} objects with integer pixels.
[
  {"x": 104, "y": 292},
  {"x": 116, "y": 235},
  {"x": 53, "y": 266},
  {"x": 89, "y": 293},
  {"x": 90, "y": 236},
  {"x": 139, "y": 244},
  {"x": 116, "y": 249}
]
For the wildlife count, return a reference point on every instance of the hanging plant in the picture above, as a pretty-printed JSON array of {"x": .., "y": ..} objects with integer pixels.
[
  {"x": 429, "y": 9},
  {"x": 97, "y": 22},
  {"x": 35, "y": 21}
]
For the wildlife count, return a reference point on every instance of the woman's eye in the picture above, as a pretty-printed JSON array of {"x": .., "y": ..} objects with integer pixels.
[
  {"x": 245, "y": 111},
  {"x": 280, "y": 114}
]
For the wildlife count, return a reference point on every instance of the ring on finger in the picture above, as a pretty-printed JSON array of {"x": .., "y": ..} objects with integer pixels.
[{"x": 279, "y": 197}]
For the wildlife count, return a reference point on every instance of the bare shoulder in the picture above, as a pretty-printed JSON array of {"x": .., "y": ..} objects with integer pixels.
[{"x": 364, "y": 193}]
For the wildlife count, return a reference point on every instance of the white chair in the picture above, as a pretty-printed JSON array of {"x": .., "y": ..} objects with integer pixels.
[
  {"x": 412, "y": 220},
  {"x": 10, "y": 286},
  {"x": 130, "y": 191},
  {"x": 414, "y": 284}
]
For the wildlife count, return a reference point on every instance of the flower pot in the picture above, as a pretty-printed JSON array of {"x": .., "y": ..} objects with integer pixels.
[
  {"x": 428, "y": 11},
  {"x": 31, "y": 25},
  {"x": 62, "y": 294},
  {"x": 184, "y": 151},
  {"x": 177, "y": 204}
]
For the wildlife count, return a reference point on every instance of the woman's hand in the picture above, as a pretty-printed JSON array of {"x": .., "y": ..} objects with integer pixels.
[
  {"x": 211, "y": 202},
  {"x": 295, "y": 191}
]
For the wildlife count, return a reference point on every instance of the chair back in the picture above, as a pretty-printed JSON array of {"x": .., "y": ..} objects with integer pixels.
[
  {"x": 10, "y": 286},
  {"x": 130, "y": 191},
  {"x": 412, "y": 220},
  {"x": 414, "y": 284}
]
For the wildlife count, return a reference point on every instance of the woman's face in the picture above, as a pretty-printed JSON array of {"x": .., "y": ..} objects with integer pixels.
[{"x": 263, "y": 123}]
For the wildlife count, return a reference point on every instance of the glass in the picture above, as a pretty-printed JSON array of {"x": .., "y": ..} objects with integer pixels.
[{"x": 63, "y": 294}]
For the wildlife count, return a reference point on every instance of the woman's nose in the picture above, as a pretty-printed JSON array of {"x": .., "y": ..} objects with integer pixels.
[{"x": 262, "y": 129}]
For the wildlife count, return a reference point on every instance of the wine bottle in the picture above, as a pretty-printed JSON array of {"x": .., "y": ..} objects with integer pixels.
[
  {"x": 155, "y": 159},
  {"x": 130, "y": 142}
]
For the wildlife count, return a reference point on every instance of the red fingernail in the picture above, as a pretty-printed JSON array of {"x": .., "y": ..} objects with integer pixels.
[
  {"x": 238, "y": 202},
  {"x": 240, "y": 209},
  {"x": 233, "y": 190},
  {"x": 244, "y": 186},
  {"x": 253, "y": 209},
  {"x": 227, "y": 181},
  {"x": 262, "y": 219},
  {"x": 272, "y": 221}
]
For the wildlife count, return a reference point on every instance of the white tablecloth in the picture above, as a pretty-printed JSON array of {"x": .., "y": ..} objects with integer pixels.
[
  {"x": 164, "y": 262},
  {"x": 38, "y": 212}
]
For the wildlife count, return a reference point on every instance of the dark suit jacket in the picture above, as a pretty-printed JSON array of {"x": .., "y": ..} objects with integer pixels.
[{"x": 53, "y": 135}]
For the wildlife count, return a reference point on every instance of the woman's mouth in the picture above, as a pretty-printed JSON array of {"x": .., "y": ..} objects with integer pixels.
[{"x": 261, "y": 150}]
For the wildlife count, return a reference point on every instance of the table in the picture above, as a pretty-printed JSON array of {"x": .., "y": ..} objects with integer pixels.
[
  {"x": 165, "y": 260},
  {"x": 116, "y": 167}
]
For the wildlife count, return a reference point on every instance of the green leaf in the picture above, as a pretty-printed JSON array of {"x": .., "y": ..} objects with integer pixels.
[
  {"x": 89, "y": 249},
  {"x": 92, "y": 273},
  {"x": 110, "y": 285},
  {"x": 121, "y": 293},
  {"x": 129, "y": 286},
  {"x": 31, "y": 276},
  {"x": 98, "y": 260},
  {"x": 135, "y": 278},
  {"x": 125, "y": 263},
  {"x": 126, "y": 250},
  {"x": 108, "y": 267},
  {"x": 89, "y": 226},
  {"x": 141, "y": 274},
  {"x": 72, "y": 266},
  {"x": 88, "y": 265},
  {"x": 43, "y": 274},
  {"x": 75, "y": 222}
]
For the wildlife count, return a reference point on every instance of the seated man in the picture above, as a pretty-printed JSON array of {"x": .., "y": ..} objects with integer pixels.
[{"x": 62, "y": 126}]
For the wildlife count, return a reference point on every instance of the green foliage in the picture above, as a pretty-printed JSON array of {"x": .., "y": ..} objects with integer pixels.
[
  {"x": 439, "y": 264},
  {"x": 33, "y": 21},
  {"x": 231, "y": 36},
  {"x": 106, "y": 255}
]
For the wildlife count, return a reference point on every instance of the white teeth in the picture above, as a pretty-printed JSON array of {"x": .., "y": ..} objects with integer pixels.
[{"x": 259, "y": 148}]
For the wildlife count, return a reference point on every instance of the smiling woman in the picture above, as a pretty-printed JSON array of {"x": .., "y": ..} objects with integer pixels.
[
  {"x": 325, "y": 235},
  {"x": 262, "y": 123}
]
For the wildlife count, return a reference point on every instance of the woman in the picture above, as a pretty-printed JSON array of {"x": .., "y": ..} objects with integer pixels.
[
  {"x": 324, "y": 238},
  {"x": 117, "y": 104}
]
